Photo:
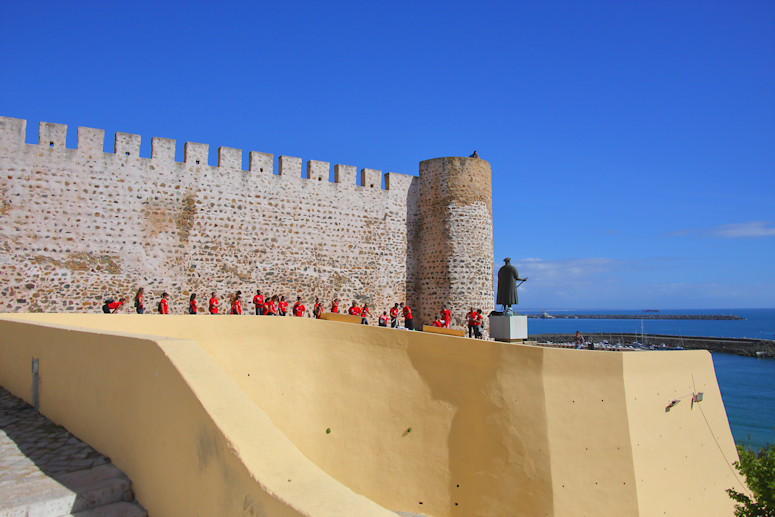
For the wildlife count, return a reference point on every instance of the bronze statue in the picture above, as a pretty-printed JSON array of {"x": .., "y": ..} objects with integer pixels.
[{"x": 508, "y": 276}]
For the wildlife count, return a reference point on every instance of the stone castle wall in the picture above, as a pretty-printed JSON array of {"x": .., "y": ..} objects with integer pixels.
[{"x": 79, "y": 225}]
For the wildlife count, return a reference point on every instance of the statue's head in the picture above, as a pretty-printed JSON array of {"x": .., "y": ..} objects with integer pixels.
[{"x": 507, "y": 260}]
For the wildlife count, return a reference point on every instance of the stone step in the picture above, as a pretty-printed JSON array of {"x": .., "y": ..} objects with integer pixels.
[
  {"x": 68, "y": 493},
  {"x": 122, "y": 509}
]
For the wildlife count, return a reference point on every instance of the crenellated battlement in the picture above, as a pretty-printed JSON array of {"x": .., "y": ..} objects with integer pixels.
[
  {"x": 289, "y": 168},
  {"x": 81, "y": 224}
]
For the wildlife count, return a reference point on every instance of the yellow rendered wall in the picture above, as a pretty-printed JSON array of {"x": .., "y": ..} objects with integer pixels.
[
  {"x": 496, "y": 429},
  {"x": 190, "y": 440}
]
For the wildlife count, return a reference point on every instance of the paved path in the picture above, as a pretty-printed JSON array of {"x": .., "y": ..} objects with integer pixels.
[
  {"x": 33, "y": 447},
  {"x": 45, "y": 470}
]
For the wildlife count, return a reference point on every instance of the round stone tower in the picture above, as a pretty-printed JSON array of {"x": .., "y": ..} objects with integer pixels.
[{"x": 454, "y": 239}]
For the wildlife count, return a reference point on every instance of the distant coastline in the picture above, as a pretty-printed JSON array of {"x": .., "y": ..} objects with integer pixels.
[
  {"x": 761, "y": 348},
  {"x": 650, "y": 316}
]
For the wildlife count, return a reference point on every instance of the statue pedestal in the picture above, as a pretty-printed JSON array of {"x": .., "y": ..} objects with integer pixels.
[{"x": 508, "y": 328}]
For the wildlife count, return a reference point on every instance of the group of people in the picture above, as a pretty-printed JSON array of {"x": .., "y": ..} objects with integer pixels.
[{"x": 276, "y": 305}]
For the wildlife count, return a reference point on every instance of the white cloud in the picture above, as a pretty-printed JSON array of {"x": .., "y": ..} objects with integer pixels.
[{"x": 750, "y": 229}]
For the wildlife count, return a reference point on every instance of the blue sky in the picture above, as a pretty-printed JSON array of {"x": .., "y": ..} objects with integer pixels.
[{"x": 632, "y": 143}]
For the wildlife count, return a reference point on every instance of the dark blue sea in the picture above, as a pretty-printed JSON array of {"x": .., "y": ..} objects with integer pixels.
[{"x": 747, "y": 385}]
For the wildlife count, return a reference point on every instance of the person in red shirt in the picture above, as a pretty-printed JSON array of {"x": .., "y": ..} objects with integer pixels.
[
  {"x": 282, "y": 306},
  {"x": 471, "y": 317},
  {"x": 317, "y": 310},
  {"x": 111, "y": 307},
  {"x": 236, "y": 303},
  {"x": 394, "y": 316},
  {"x": 437, "y": 322},
  {"x": 408, "y": 319},
  {"x": 139, "y": 307},
  {"x": 354, "y": 310},
  {"x": 365, "y": 313},
  {"x": 258, "y": 302},
  {"x": 445, "y": 315},
  {"x": 271, "y": 306},
  {"x": 383, "y": 319},
  {"x": 164, "y": 304},
  {"x": 478, "y": 321},
  {"x": 213, "y": 308},
  {"x": 335, "y": 306},
  {"x": 298, "y": 308},
  {"x": 192, "y": 304}
]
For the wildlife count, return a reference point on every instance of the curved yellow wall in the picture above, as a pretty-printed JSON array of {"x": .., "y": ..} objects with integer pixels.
[{"x": 496, "y": 429}]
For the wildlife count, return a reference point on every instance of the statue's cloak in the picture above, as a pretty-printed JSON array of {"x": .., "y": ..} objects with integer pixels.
[{"x": 507, "y": 285}]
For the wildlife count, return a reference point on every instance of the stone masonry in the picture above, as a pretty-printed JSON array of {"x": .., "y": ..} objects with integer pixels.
[{"x": 80, "y": 225}]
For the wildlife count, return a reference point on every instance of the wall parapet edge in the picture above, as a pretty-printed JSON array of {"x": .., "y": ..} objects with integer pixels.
[{"x": 92, "y": 140}]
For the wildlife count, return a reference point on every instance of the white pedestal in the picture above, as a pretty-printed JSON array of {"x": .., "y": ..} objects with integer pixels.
[{"x": 508, "y": 328}]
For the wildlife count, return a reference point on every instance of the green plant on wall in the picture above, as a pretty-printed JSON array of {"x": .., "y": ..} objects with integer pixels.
[{"x": 758, "y": 468}]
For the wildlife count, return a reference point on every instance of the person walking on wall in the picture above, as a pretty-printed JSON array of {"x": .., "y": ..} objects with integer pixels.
[
  {"x": 317, "y": 310},
  {"x": 298, "y": 308},
  {"x": 271, "y": 306},
  {"x": 478, "y": 322},
  {"x": 438, "y": 322},
  {"x": 383, "y": 319},
  {"x": 407, "y": 313},
  {"x": 236, "y": 303},
  {"x": 471, "y": 320},
  {"x": 192, "y": 304},
  {"x": 365, "y": 313},
  {"x": 282, "y": 306},
  {"x": 335, "y": 306},
  {"x": 394, "y": 316},
  {"x": 354, "y": 310},
  {"x": 578, "y": 340},
  {"x": 164, "y": 307},
  {"x": 111, "y": 306},
  {"x": 258, "y": 302},
  {"x": 213, "y": 307},
  {"x": 139, "y": 307},
  {"x": 445, "y": 316}
]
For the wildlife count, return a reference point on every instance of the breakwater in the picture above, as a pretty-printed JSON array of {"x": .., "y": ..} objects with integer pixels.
[
  {"x": 763, "y": 348},
  {"x": 650, "y": 316}
]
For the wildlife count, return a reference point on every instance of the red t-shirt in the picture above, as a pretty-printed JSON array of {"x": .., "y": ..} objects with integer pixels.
[
  {"x": 236, "y": 307},
  {"x": 478, "y": 320},
  {"x": 335, "y": 307},
  {"x": 471, "y": 318},
  {"x": 258, "y": 300},
  {"x": 213, "y": 305},
  {"x": 271, "y": 308},
  {"x": 354, "y": 311},
  {"x": 317, "y": 310},
  {"x": 114, "y": 306},
  {"x": 394, "y": 313},
  {"x": 365, "y": 312},
  {"x": 298, "y": 309},
  {"x": 192, "y": 305},
  {"x": 139, "y": 301},
  {"x": 407, "y": 313},
  {"x": 283, "y": 307},
  {"x": 164, "y": 306},
  {"x": 446, "y": 316},
  {"x": 437, "y": 323},
  {"x": 383, "y": 320}
]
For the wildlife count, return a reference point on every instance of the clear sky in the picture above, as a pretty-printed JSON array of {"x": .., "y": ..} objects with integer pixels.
[{"x": 632, "y": 144}]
